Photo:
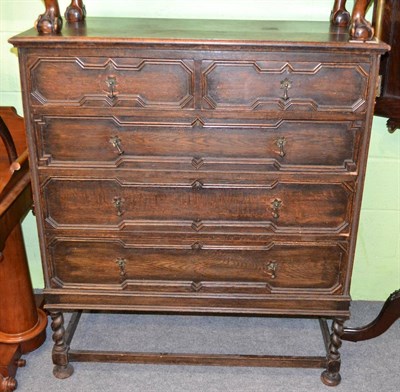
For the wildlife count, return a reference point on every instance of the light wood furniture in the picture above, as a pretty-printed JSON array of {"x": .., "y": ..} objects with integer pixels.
[
  {"x": 22, "y": 325},
  {"x": 198, "y": 167}
]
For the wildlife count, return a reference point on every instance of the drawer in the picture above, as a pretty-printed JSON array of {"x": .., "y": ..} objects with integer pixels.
[
  {"x": 116, "y": 82},
  {"x": 110, "y": 203},
  {"x": 282, "y": 85},
  {"x": 116, "y": 265},
  {"x": 233, "y": 85},
  {"x": 114, "y": 142}
]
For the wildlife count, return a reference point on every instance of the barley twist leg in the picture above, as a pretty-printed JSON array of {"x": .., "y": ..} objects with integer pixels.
[{"x": 62, "y": 367}]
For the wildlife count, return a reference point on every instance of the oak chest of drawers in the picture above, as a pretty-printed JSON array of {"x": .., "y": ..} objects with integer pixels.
[{"x": 213, "y": 167}]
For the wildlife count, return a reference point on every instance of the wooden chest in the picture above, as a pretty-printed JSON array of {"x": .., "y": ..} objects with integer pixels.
[{"x": 198, "y": 167}]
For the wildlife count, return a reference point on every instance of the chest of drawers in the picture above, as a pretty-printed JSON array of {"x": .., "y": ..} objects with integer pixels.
[{"x": 213, "y": 167}]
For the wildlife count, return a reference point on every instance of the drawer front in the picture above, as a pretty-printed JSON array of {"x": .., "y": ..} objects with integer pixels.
[
  {"x": 279, "y": 85},
  {"x": 111, "y": 141},
  {"x": 239, "y": 85},
  {"x": 117, "y": 82},
  {"x": 111, "y": 204},
  {"x": 187, "y": 268}
]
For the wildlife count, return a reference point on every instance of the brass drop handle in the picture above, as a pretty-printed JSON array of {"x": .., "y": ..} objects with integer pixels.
[
  {"x": 118, "y": 202},
  {"x": 286, "y": 84},
  {"x": 280, "y": 142},
  {"x": 276, "y": 206},
  {"x": 116, "y": 143},
  {"x": 121, "y": 262},
  {"x": 111, "y": 82},
  {"x": 270, "y": 269}
]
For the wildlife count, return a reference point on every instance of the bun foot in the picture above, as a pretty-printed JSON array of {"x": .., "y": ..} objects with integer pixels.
[
  {"x": 340, "y": 18},
  {"x": 330, "y": 379},
  {"x": 8, "y": 384},
  {"x": 361, "y": 30},
  {"x": 62, "y": 372}
]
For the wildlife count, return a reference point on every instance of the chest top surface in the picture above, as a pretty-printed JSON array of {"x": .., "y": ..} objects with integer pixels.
[{"x": 247, "y": 33}]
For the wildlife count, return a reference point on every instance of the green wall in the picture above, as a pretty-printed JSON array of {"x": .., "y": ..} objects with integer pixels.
[{"x": 377, "y": 264}]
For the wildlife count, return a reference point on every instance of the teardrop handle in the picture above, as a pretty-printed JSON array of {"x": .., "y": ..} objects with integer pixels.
[
  {"x": 276, "y": 206},
  {"x": 286, "y": 84},
  {"x": 280, "y": 142},
  {"x": 117, "y": 144},
  {"x": 121, "y": 262},
  {"x": 111, "y": 82},
  {"x": 270, "y": 268},
  {"x": 118, "y": 202}
]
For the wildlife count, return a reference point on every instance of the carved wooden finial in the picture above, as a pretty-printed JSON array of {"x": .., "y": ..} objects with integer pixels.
[
  {"x": 339, "y": 15},
  {"x": 360, "y": 28},
  {"x": 50, "y": 22},
  {"x": 75, "y": 12}
]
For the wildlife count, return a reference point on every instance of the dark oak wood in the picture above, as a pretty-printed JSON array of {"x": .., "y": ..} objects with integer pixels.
[
  {"x": 198, "y": 359},
  {"x": 192, "y": 359},
  {"x": 331, "y": 376},
  {"x": 386, "y": 21},
  {"x": 198, "y": 167},
  {"x": 22, "y": 325}
]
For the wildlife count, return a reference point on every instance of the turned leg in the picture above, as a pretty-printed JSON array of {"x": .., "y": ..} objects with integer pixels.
[
  {"x": 331, "y": 375},
  {"x": 50, "y": 22},
  {"x": 339, "y": 15},
  {"x": 75, "y": 12},
  {"x": 62, "y": 367},
  {"x": 361, "y": 29}
]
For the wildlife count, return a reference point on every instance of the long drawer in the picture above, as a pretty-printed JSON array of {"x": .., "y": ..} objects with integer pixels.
[
  {"x": 114, "y": 265},
  {"x": 110, "y": 203},
  {"x": 259, "y": 83},
  {"x": 114, "y": 142}
]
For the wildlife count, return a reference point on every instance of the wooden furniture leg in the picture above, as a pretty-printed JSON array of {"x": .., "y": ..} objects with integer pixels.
[
  {"x": 75, "y": 12},
  {"x": 62, "y": 367},
  {"x": 388, "y": 315},
  {"x": 331, "y": 375},
  {"x": 50, "y": 22}
]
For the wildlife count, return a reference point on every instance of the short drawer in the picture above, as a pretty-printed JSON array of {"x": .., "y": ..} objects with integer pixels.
[
  {"x": 112, "y": 82},
  {"x": 113, "y": 204},
  {"x": 192, "y": 268},
  {"x": 284, "y": 85},
  {"x": 283, "y": 144}
]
